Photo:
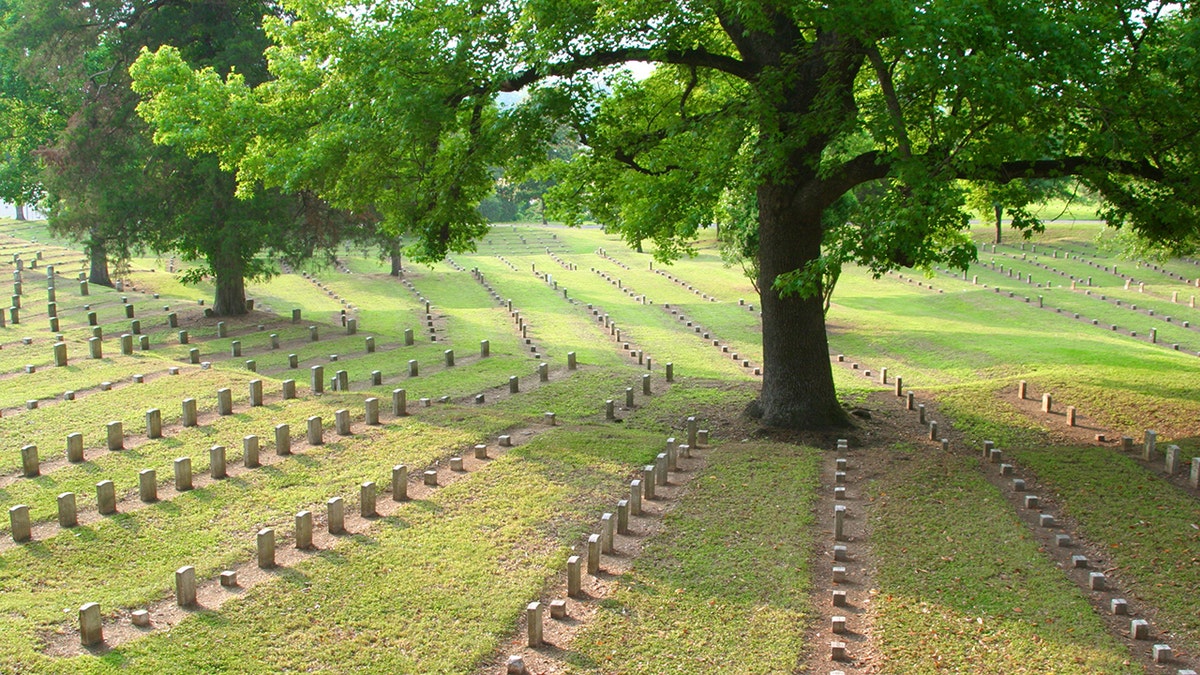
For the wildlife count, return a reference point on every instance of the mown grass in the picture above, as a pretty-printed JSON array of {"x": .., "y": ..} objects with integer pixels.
[
  {"x": 437, "y": 587},
  {"x": 725, "y": 588},
  {"x": 1147, "y": 527},
  {"x": 962, "y": 585},
  {"x": 455, "y": 568}
]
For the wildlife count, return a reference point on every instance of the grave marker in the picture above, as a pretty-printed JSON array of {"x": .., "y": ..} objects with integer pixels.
[
  {"x": 366, "y": 500},
  {"x": 317, "y": 379},
  {"x": 250, "y": 450},
  {"x": 216, "y": 462},
  {"x": 153, "y": 423},
  {"x": 316, "y": 435},
  {"x": 91, "y": 631},
  {"x": 183, "y": 474},
  {"x": 20, "y": 527},
  {"x": 185, "y": 586},
  {"x": 115, "y": 436},
  {"x": 67, "y": 513},
  {"x": 304, "y": 530},
  {"x": 224, "y": 401},
  {"x": 106, "y": 497},
  {"x": 265, "y": 542}
]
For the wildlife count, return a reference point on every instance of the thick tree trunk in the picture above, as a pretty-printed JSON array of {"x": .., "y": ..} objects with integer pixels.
[
  {"x": 797, "y": 389},
  {"x": 231, "y": 286},
  {"x": 394, "y": 254},
  {"x": 19, "y": 211},
  {"x": 999, "y": 229},
  {"x": 97, "y": 253}
]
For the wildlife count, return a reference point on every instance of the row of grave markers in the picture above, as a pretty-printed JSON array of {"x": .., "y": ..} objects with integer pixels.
[
  {"x": 147, "y": 478},
  {"x": 90, "y": 622},
  {"x": 1139, "y": 629},
  {"x": 1153, "y": 335},
  {"x": 602, "y": 542},
  {"x": 1172, "y": 455},
  {"x": 115, "y": 434}
]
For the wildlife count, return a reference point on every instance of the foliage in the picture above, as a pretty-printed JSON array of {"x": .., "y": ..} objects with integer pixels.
[
  {"x": 107, "y": 184},
  {"x": 756, "y": 115}
]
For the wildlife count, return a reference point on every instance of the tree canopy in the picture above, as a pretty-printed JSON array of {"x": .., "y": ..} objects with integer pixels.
[
  {"x": 101, "y": 177},
  {"x": 758, "y": 115}
]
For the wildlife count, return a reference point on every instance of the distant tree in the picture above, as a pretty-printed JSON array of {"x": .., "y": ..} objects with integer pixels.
[
  {"x": 770, "y": 111},
  {"x": 993, "y": 200},
  {"x": 29, "y": 115},
  {"x": 109, "y": 185}
]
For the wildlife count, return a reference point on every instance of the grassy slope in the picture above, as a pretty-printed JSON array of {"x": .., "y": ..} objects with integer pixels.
[{"x": 458, "y": 568}]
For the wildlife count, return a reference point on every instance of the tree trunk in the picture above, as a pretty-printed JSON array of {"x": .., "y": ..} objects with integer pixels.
[
  {"x": 797, "y": 389},
  {"x": 231, "y": 286},
  {"x": 394, "y": 254},
  {"x": 999, "y": 213},
  {"x": 19, "y": 211},
  {"x": 97, "y": 253}
]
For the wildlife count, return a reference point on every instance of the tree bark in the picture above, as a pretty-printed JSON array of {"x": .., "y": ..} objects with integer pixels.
[
  {"x": 97, "y": 252},
  {"x": 230, "y": 297},
  {"x": 797, "y": 389},
  {"x": 999, "y": 229},
  {"x": 19, "y": 211},
  {"x": 394, "y": 254}
]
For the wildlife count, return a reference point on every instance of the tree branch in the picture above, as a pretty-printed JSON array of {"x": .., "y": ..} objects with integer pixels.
[
  {"x": 1006, "y": 172},
  {"x": 874, "y": 165},
  {"x": 628, "y": 159},
  {"x": 699, "y": 58},
  {"x": 889, "y": 94}
]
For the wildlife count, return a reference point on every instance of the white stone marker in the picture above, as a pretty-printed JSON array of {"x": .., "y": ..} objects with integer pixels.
[
  {"x": 265, "y": 542},
  {"x": 67, "y": 514},
  {"x": 91, "y": 631},
  {"x": 283, "y": 440},
  {"x": 74, "y": 448},
  {"x": 316, "y": 435},
  {"x": 183, "y": 474},
  {"x": 216, "y": 462},
  {"x": 185, "y": 586},
  {"x": 573, "y": 576},
  {"x": 304, "y": 530},
  {"x": 224, "y": 401},
  {"x": 593, "y": 554},
  {"x": 533, "y": 616},
  {"x": 250, "y": 449},
  {"x": 366, "y": 500},
  {"x": 399, "y": 483},
  {"x": 21, "y": 528},
  {"x": 336, "y": 511},
  {"x": 115, "y": 436},
  {"x": 148, "y": 485}
]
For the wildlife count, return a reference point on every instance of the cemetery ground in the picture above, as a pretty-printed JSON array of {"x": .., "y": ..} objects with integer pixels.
[{"x": 419, "y": 499}]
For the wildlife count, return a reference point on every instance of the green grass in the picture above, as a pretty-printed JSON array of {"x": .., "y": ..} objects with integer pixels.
[
  {"x": 434, "y": 564},
  {"x": 725, "y": 588},
  {"x": 439, "y": 587},
  {"x": 962, "y": 585},
  {"x": 1146, "y": 526}
]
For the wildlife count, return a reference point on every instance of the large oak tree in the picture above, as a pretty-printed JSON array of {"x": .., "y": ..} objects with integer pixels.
[{"x": 761, "y": 115}]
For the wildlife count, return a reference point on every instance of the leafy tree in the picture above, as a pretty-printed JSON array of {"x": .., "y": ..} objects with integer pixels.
[
  {"x": 27, "y": 117},
  {"x": 765, "y": 112},
  {"x": 108, "y": 184},
  {"x": 992, "y": 200}
]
